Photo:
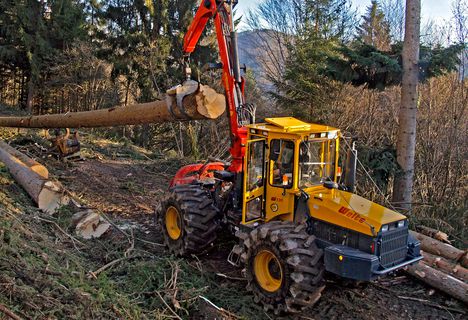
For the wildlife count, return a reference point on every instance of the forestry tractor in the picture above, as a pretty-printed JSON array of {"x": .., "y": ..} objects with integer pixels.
[{"x": 282, "y": 194}]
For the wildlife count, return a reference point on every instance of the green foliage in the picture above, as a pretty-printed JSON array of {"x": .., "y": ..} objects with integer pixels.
[
  {"x": 359, "y": 63},
  {"x": 381, "y": 163},
  {"x": 375, "y": 30},
  {"x": 305, "y": 89}
]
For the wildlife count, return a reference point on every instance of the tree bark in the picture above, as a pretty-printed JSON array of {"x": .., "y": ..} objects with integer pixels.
[
  {"x": 30, "y": 96},
  {"x": 31, "y": 163},
  {"x": 439, "y": 280},
  {"x": 204, "y": 104},
  {"x": 439, "y": 248},
  {"x": 406, "y": 141},
  {"x": 46, "y": 194},
  {"x": 440, "y": 263}
]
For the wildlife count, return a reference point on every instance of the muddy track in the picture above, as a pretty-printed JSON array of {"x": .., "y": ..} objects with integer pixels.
[{"x": 128, "y": 190}]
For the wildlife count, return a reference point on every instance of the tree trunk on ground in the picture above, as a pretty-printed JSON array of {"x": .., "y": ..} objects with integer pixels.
[
  {"x": 203, "y": 104},
  {"x": 439, "y": 280},
  {"x": 439, "y": 248},
  {"x": 46, "y": 194},
  {"x": 453, "y": 269},
  {"x": 406, "y": 142},
  {"x": 433, "y": 233},
  {"x": 31, "y": 163}
]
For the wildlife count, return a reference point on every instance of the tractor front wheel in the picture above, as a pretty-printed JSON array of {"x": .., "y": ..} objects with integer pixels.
[{"x": 283, "y": 266}]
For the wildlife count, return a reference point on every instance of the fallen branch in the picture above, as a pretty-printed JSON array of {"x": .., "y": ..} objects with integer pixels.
[
  {"x": 219, "y": 309},
  {"x": 435, "y": 305},
  {"x": 170, "y": 309},
  {"x": 73, "y": 239},
  {"x": 439, "y": 280},
  {"x": 222, "y": 275},
  {"x": 94, "y": 274},
  {"x": 10, "y": 314}
]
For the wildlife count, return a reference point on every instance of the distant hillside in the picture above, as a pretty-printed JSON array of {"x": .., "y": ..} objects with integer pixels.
[{"x": 254, "y": 54}]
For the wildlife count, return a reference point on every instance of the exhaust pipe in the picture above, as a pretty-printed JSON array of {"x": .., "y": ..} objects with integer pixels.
[{"x": 350, "y": 168}]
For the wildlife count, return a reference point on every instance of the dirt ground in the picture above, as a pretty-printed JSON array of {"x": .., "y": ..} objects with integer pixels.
[{"x": 127, "y": 190}]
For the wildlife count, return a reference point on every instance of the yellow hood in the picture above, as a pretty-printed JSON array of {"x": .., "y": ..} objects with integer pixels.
[{"x": 350, "y": 210}]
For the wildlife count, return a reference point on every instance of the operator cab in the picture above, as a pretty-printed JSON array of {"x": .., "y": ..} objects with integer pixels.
[{"x": 283, "y": 157}]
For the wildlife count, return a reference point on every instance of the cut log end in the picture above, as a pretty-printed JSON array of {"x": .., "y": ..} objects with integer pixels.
[
  {"x": 49, "y": 200},
  {"x": 91, "y": 226},
  {"x": 212, "y": 104}
]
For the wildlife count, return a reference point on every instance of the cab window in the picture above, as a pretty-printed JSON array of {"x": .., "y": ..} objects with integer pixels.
[
  {"x": 255, "y": 165},
  {"x": 281, "y": 163},
  {"x": 316, "y": 162}
]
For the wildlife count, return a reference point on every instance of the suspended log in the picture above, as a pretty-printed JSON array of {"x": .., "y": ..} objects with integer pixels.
[
  {"x": 46, "y": 194},
  {"x": 188, "y": 102},
  {"x": 440, "y": 263},
  {"x": 439, "y": 280},
  {"x": 31, "y": 163},
  {"x": 440, "y": 249}
]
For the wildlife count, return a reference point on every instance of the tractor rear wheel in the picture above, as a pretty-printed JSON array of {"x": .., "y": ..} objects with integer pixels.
[
  {"x": 188, "y": 219},
  {"x": 283, "y": 266}
]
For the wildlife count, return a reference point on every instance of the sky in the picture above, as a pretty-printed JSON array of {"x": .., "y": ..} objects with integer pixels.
[{"x": 436, "y": 10}]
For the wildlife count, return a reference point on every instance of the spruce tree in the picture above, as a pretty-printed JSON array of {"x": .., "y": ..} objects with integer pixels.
[{"x": 375, "y": 30}]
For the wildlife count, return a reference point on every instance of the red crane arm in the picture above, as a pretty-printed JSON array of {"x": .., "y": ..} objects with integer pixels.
[{"x": 233, "y": 83}]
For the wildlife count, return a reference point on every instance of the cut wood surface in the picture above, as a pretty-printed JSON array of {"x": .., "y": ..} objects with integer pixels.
[
  {"x": 444, "y": 265},
  {"x": 441, "y": 249},
  {"x": 204, "y": 103},
  {"x": 90, "y": 225},
  {"x": 48, "y": 195},
  {"x": 31, "y": 163},
  {"x": 433, "y": 233},
  {"x": 439, "y": 280}
]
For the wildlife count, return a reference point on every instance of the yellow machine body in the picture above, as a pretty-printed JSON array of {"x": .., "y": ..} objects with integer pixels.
[{"x": 267, "y": 199}]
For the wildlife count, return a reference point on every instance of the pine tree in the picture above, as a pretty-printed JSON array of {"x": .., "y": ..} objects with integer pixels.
[
  {"x": 305, "y": 90},
  {"x": 375, "y": 30}
]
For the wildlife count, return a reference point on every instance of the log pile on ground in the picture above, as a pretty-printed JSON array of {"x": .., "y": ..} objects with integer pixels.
[
  {"x": 33, "y": 178},
  {"x": 443, "y": 266}
]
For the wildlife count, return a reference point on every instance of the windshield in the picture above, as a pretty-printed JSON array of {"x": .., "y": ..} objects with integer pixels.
[{"x": 316, "y": 162}]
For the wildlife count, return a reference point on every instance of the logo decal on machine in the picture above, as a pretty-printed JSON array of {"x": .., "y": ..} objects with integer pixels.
[{"x": 351, "y": 214}]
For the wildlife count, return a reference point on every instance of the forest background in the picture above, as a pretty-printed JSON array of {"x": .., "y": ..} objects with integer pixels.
[{"x": 317, "y": 60}]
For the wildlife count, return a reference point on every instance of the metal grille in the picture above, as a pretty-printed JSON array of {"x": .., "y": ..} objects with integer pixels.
[{"x": 393, "y": 247}]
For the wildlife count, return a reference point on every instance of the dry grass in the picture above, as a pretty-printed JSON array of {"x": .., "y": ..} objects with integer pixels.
[{"x": 440, "y": 195}]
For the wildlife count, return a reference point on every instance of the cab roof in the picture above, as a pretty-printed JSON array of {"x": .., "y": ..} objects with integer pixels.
[{"x": 291, "y": 125}]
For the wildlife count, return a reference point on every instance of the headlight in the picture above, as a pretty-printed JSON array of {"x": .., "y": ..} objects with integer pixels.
[
  {"x": 385, "y": 228},
  {"x": 401, "y": 224}
]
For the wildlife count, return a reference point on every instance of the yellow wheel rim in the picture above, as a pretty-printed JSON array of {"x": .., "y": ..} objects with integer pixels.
[
  {"x": 268, "y": 271},
  {"x": 173, "y": 223}
]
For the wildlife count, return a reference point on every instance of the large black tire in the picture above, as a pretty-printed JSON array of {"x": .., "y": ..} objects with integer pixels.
[
  {"x": 197, "y": 219},
  {"x": 301, "y": 264}
]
